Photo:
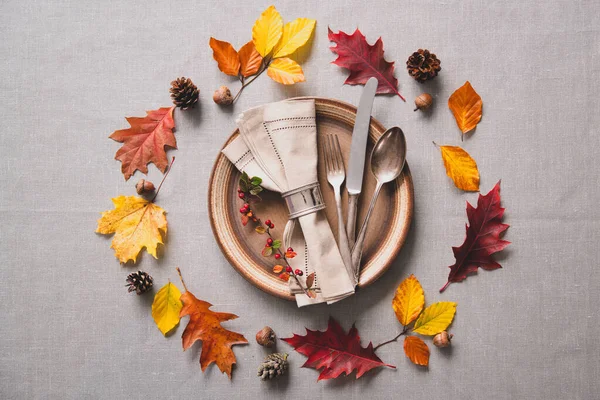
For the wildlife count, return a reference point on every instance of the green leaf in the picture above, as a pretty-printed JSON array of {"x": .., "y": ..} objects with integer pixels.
[
  {"x": 256, "y": 190},
  {"x": 276, "y": 244},
  {"x": 267, "y": 251},
  {"x": 245, "y": 177},
  {"x": 256, "y": 180},
  {"x": 243, "y": 185}
]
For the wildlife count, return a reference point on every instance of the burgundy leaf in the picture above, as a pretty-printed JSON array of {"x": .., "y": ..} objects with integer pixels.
[
  {"x": 364, "y": 61},
  {"x": 336, "y": 352},
  {"x": 483, "y": 238}
]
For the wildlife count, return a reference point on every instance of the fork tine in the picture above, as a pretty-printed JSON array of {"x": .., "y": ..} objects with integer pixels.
[
  {"x": 326, "y": 153},
  {"x": 334, "y": 158},
  {"x": 338, "y": 154}
]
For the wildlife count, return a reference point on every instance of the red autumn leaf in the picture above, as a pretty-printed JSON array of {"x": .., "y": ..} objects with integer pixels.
[
  {"x": 145, "y": 141},
  {"x": 336, "y": 352},
  {"x": 364, "y": 61},
  {"x": 483, "y": 238}
]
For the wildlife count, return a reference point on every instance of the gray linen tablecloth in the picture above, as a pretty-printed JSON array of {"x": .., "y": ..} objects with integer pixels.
[{"x": 70, "y": 71}]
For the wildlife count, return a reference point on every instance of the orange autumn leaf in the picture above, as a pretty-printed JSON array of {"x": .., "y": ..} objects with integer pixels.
[
  {"x": 205, "y": 325},
  {"x": 284, "y": 277},
  {"x": 278, "y": 269},
  {"x": 466, "y": 106},
  {"x": 145, "y": 141},
  {"x": 225, "y": 56},
  {"x": 250, "y": 59},
  {"x": 416, "y": 350}
]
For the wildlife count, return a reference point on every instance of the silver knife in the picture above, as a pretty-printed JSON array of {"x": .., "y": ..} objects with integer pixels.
[{"x": 358, "y": 149}]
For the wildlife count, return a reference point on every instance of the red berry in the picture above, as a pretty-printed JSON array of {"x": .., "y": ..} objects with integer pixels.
[
  {"x": 240, "y": 190},
  {"x": 243, "y": 210},
  {"x": 271, "y": 226},
  {"x": 246, "y": 205},
  {"x": 288, "y": 269},
  {"x": 277, "y": 256},
  {"x": 298, "y": 272},
  {"x": 268, "y": 222},
  {"x": 241, "y": 195},
  {"x": 290, "y": 249},
  {"x": 269, "y": 242}
]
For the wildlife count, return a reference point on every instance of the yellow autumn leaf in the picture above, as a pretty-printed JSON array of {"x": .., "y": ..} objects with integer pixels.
[
  {"x": 409, "y": 300},
  {"x": 286, "y": 71},
  {"x": 435, "y": 318},
  {"x": 166, "y": 308},
  {"x": 461, "y": 168},
  {"x": 136, "y": 223},
  {"x": 466, "y": 106},
  {"x": 295, "y": 35},
  {"x": 267, "y": 31}
]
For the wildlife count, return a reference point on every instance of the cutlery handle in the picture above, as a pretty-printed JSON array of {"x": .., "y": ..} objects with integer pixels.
[
  {"x": 343, "y": 238},
  {"x": 358, "y": 246},
  {"x": 351, "y": 224}
]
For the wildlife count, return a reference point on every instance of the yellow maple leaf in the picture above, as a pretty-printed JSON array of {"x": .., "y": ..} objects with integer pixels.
[
  {"x": 435, "y": 318},
  {"x": 466, "y": 106},
  {"x": 409, "y": 300},
  {"x": 166, "y": 308},
  {"x": 136, "y": 223},
  {"x": 286, "y": 71},
  {"x": 461, "y": 168},
  {"x": 295, "y": 35},
  {"x": 267, "y": 31}
]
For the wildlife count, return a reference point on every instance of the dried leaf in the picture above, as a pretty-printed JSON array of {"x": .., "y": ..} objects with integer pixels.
[
  {"x": 435, "y": 318},
  {"x": 286, "y": 71},
  {"x": 336, "y": 352},
  {"x": 483, "y": 238},
  {"x": 409, "y": 300},
  {"x": 290, "y": 254},
  {"x": 364, "y": 61},
  {"x": 466, "y": 105},
  {"x": 136, "y": 223},
  {"x": 267, "y": 251},
  {"x": 278, "y": 269},
  {"x": 295, "y": 35},
  {"x": 166, "y": 307},
  {"x": 145, "y": 141},
  {"x": 205, "y": 325},
  {"x": 310, "y": 280},
  {"x": 311, "y": 294},
  {"x": 416, "y": 350},
  {"x": 267, "y": 31},
  {"x": 245, "y": 220},
  {"x": 284, "y": 277},
  {"x": 461, "y": 168},
  {"x": 225, "y": 56},
  {"x": 260, "y": 229},
  {"x": 250, "y": 59}
]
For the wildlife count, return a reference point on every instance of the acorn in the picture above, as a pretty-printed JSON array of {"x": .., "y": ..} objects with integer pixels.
[
  {"x": 222, "y": 96},
  {"x": 144, "y": 186},
  {"x": 266, "y": 337},
  {"x": 423, "y": 101},
  {"x": 442, "y": 339}
]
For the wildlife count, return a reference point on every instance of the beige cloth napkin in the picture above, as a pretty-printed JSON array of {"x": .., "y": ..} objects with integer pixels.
[{"x": 278, "y": 142}]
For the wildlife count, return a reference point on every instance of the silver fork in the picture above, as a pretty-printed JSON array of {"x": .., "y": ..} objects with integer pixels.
[{"x": 336, "y": 174}]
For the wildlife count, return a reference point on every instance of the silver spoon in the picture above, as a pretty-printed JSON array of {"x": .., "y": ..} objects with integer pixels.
[{"x": 387, "y": 160}]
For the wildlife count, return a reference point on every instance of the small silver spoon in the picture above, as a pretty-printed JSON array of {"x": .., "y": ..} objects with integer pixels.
[{"x": 387, "y": 160}]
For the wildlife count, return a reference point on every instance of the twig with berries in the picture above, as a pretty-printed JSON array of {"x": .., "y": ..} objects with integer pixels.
[{"x": 248, "y": 190}]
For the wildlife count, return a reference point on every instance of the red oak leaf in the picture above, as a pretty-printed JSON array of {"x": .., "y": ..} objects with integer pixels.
[
  {"x": 145, "y": 141},
  {"x": 336, "y": 352},
  {"x": 364, "y": 61},
  {"x": 483, "y": 238}
]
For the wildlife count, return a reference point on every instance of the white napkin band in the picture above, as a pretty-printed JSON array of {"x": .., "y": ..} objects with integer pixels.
[{"x": 304, "y": 200}]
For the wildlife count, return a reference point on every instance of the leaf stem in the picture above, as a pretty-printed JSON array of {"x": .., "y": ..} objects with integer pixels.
[
  {"x": 264, "y": 66},
  {"x": 163, "y": 180},
  {"x": 444, "y": 287},
  {"x": 181, "y": 277},
  {"x": 404, "y": 331}
]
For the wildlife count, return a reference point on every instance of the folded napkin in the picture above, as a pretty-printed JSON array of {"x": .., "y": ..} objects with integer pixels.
[{"x": 278, "y": 142}]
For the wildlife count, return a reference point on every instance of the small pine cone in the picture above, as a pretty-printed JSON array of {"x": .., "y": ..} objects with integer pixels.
[
  {"x": 139, "y": 282},
  {"x": 274, "y": 366},
  {"x": 423, "y": 65},
  {"x": 184, "y": 93}
]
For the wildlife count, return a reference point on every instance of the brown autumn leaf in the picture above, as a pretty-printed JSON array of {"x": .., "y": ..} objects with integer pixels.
[
  {"x": 466, "y": 106},
  {"x": 250, "y": 59},
  {"x": 416, "y": 350},
  {"x": 205, "y": 325},
  {"x": 225, "y": 56}
]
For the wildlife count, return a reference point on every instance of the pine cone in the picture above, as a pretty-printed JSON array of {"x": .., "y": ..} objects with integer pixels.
[
  {"x": 274, "y": 366},
  {"x": 139, "y": 282},
  {"x": 423, "y": 65},
  {"x": 184, "y": 93}
]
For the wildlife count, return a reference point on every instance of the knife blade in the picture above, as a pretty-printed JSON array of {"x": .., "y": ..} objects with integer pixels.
[{"x": 358, "y": 149}]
